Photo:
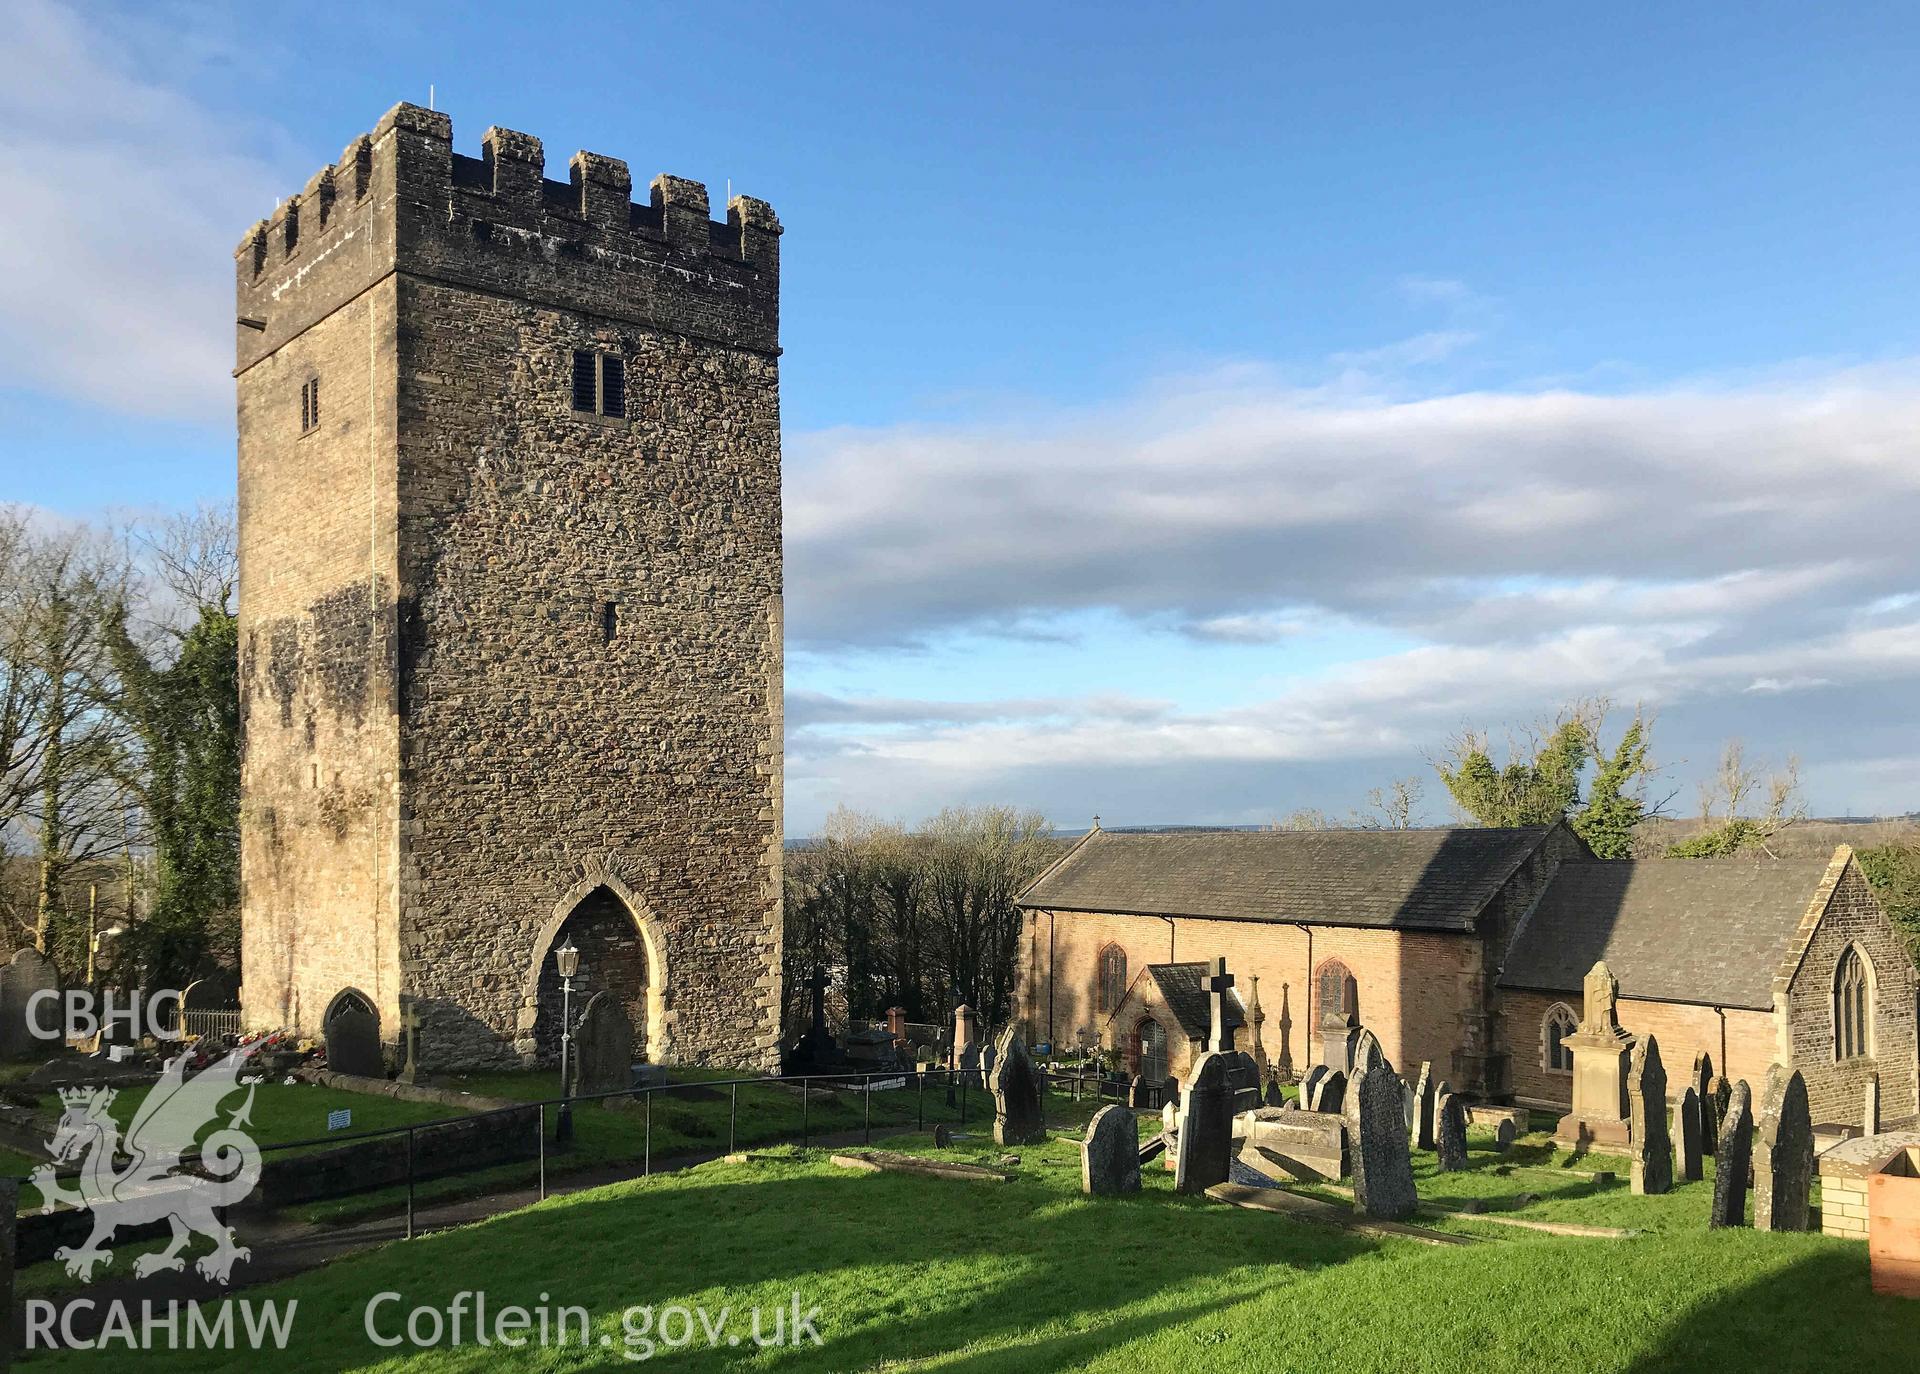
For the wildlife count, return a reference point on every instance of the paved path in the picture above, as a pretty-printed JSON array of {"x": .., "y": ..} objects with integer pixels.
[{"x": 283, "y": 1248}]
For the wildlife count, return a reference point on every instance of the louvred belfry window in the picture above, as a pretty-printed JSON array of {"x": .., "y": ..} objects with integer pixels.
[{"x": 599, "y": 384}]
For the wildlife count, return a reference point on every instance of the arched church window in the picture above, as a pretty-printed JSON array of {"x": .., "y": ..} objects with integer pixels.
[
  {"x": 1338, "y": 992},
  {"x": 1852, "y": 1005},
  {"x": 1113, "y": 978},
  {"x": 1560, "y": 1023}
]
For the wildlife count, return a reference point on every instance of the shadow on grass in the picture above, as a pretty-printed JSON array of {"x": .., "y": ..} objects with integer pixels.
[
  {"x": 901, "y": 1269},
  {"x": 1813, "y": 1311}
]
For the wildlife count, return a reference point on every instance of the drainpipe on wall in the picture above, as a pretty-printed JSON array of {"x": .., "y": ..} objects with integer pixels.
[
  {"x": 1306, "y": 991},
  {"x": 1170, "y": 930},
  {"x": 1725, "y": 1072},
  {"x": 1051, "y": 918}
]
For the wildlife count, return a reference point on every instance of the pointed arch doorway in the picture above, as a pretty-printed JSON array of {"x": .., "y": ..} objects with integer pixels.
[{"x": 619, "y": 954}]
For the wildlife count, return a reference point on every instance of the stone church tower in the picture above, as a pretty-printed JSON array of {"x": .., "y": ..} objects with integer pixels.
[{"x": 510, "y": 601}]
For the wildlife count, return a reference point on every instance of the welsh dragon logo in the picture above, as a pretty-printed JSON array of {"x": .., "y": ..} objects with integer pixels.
[{"x": 151, "y": 1186}]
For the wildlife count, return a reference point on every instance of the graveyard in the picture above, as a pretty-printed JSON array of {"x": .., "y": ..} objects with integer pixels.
[{"x": 1032, "y": 1273}]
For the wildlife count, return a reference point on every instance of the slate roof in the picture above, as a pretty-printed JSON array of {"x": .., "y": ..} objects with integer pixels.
[
  {"x": 1706, "y": 931},
  {"x": 1184, "y": 987},
  {"x": 1410, "y": 879}
]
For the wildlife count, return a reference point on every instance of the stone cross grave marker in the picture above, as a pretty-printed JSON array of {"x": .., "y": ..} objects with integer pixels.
[
  {"x": 1686, "y": 1135},
  {"x": 1016, "y": 1093},
  {"x": 1110, "y": 1154},
  {"x": 1424, "y": 1102},
  {"x": 1651, "y": 1148},
  {"x": 1783, "y": 1154},
  {"x": 1449, "y": 1131},
  {"x": 1221, "y": 1028},
  {"x": 603, "y": 1048},
  {"x": 1376, "y": 1124},
  {"x": 353, "y": 1044},
  {"x": 28, "y": 972},
  {"x": 1734, "y": 1160}
]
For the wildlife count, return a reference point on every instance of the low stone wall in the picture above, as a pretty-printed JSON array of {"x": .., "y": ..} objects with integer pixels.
[
  {"x": 405, "y": 1092},
  {"x": 1844, "y": 1171},
  {"x": 1311, "y": 1146},
  {"x": 359, "y": 1166}
]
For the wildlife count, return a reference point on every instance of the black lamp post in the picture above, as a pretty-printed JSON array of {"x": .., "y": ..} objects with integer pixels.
[{"x": 567, "y": 960}]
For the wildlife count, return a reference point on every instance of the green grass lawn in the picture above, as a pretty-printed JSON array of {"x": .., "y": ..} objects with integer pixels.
[
  {"x": 917, "y": 1274},
  {"x": 691, "y": 1117},
  {"x": 283, "y": 1112}
]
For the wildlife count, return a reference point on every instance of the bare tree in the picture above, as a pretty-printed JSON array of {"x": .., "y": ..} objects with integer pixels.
[
  {"x": 1743, "y": 805},
  {"x": 1393, "y": 807}
]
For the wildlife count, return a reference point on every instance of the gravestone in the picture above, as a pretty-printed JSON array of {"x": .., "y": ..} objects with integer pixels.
[
  {"x": 1140, "y": 1093},
  {"x": 1310, "y": 1085},
  {"x": 1256, "y": 1018},
  {"x": 1203, "y": 1143},
  {"x": 1285, "y": 1067},
  {"x": 1783, "y": 1154},
  {"x": 1701, "y": 1079},
  {"x": 1686, "y": 1135},
  {"x": 1302, "y": 1145},
  {"x": 1016, "y": 1093},
  {"x": 966, "y": 1043},
  {"x": 1735, "y": 1160},
  {"x": 27, "y": 973},
  {"x": 1376, "y": 1124},
  {"x": 1449, "y": 1132},
  {"x": 1870, "y": 1106},
  {"x": 1424, "y": 1101},
  {"x": 1504, "y": 1134},
  {"x": 1273, "y": 1097},
  {"x": 942, "y": 1136},
  {"x": 1650, "y": 1147},
  {"x": 1710, "y": 1118},
  {"x": 1367, "y": 1054},
  {"x": 1601, "y": 1054},
  {"x": 353, "y": 1044},
  {"x": 602, "y": 1048},
  {"x": 1110, "y": 1155},
  {"x": 1331, "y": 1095},
  {"x": 816, "y": 1051},
  {"x": 1722, "y": 1098},
  {"x": 1339, "y": 1025}
]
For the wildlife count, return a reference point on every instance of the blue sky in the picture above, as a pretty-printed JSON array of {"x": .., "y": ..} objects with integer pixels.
[{"x": 1193, "y": 413}]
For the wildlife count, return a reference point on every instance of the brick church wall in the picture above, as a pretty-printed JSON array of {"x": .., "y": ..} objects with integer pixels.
[
  {"x": 1741, "y": 1041},
  {"x": 1411, "y": 983},
  {"x": 554, "y": 639}
]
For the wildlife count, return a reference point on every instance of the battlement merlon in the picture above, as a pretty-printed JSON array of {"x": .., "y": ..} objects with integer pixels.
[{"x": 401, "y": 199}]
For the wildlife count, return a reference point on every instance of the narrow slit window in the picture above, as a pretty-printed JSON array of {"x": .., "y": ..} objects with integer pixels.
[
  {"x": 584, "y": 397},
  {"x": 609, "y": 621},
  {"x": 310, "y": 406}
]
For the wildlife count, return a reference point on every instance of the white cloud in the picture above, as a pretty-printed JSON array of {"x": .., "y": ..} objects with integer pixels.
[{"x": 127, "y": 199}]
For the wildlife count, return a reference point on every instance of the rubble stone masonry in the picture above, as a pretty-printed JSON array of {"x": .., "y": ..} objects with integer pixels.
[{"x": 501, "y": 657}]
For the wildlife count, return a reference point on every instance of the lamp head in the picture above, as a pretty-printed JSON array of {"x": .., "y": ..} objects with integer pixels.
[{"x": 568, "y": 959}]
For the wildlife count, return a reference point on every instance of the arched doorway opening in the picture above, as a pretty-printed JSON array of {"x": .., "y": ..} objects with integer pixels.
[
  {"x": 613, "y": 958},
  {"x": 1153, "y": 1052},
  {"x": 349, "y": 999}
]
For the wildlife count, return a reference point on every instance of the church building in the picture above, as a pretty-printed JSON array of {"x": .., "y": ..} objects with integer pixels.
[{"x": 1466, "y": 947}]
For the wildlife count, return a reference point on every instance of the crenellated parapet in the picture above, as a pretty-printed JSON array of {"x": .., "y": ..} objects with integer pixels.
[{"x": 400, "y": 199}]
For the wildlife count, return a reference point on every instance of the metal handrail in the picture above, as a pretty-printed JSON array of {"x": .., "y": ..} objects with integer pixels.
[{"x": 965, "y": 1080}]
